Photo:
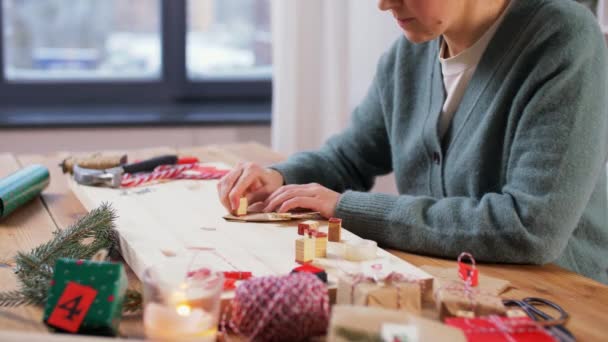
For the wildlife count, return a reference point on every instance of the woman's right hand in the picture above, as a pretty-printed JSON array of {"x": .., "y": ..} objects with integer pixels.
[{"x": 248, "y": 180}]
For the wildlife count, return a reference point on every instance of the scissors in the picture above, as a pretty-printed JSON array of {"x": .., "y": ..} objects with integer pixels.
[{"x": 531, "y": 306}]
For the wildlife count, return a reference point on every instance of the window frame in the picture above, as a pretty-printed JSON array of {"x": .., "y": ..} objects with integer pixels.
[{"x": 173, "y": 87}]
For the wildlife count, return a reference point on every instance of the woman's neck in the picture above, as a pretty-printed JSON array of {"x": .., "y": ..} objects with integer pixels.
[{"x": 475, "y": 18}]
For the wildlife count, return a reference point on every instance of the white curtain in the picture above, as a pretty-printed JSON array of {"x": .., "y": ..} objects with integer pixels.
[
  {"x": 602, "y": 13},
  {"x": 324, "y": 57}
]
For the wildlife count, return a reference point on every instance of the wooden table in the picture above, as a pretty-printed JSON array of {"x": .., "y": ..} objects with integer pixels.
[{"x": 585, "y": 299}]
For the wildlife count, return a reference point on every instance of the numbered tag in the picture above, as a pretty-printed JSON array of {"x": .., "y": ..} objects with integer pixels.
[{"x": 72, "y": 307}]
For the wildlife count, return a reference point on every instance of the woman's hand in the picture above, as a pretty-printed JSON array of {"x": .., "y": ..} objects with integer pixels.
[
  {"x": 248, "y": 180},
  {"x": 308, "y": 196}
]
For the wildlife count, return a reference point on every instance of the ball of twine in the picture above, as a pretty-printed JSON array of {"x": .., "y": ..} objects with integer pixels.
[{"x": 286, "y": 308}]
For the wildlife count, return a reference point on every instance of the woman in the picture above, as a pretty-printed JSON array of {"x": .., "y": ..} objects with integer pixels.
[{"x": 493, "y": 116}]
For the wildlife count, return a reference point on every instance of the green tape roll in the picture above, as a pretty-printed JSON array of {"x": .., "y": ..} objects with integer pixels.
[{"x": 21, "y": 187}]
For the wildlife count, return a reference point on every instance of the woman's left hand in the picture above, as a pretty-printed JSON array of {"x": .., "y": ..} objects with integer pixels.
[{"x": 306, "y": 196}]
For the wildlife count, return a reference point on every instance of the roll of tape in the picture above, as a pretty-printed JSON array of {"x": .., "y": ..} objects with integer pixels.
[
  {"x": 21, "y": 187},
  {"x": 362, "y": 250}
]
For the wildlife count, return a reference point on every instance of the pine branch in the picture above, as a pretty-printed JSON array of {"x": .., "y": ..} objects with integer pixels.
[
  {"x": 14, "y": 298},
  {"x": 98, "y": 225},
  {"x": 81, "y": 240}
]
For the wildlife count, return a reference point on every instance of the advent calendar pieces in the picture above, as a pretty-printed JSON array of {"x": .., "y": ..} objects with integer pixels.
[
  {"x": 86, "y": 297},
  {"x": 335, "y": 229},
  {"x": 243, "y": 205}
]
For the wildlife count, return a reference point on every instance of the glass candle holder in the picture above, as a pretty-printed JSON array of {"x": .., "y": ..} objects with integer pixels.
[{"x": 181, "y": 305}]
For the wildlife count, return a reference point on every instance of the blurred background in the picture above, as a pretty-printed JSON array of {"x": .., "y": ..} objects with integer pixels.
[{"x": 90, "y": 75}]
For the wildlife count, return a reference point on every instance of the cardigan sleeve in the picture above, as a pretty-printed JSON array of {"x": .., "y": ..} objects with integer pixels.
[
  {"x": 558, "y": 152},
  {"x": 351, "y": 159}
]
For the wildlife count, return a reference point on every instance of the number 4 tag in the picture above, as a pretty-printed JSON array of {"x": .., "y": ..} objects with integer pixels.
[{"x": 72, "y": 307}]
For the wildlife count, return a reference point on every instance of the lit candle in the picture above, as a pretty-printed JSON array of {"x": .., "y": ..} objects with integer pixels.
[
  {"x": 179, "y": 322},
  {"x": 180, "y": 306}
]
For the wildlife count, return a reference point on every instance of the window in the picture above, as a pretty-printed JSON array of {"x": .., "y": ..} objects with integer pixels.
[
  {"x": 81, "y": 40},
  {"x": 135, "y": 51},
  {"x": 228, "y": 38}
]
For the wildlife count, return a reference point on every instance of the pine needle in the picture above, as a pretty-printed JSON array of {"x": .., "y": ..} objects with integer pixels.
[{"x": 81, "y": 240}]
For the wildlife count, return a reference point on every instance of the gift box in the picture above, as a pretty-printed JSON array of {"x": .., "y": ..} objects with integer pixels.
[
  {"x": 360, "y": 323},
  {"x": 458, "y": 299},
  {"x": 86, "y": 297},
  {"x": 498, "y": 329},
  {"x": 392, "y": 292}
]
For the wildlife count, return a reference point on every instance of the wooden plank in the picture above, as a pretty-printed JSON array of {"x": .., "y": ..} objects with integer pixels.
[
  {"x": 24, "y": 229},
  {"x": 186, "y": 218}
]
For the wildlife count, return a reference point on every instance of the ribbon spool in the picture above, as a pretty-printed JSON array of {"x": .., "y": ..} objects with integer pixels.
[
  {"x": 21, "y": 187},
  {"x": 468, "y": 273},
  {"x": 287, "y": 308}
]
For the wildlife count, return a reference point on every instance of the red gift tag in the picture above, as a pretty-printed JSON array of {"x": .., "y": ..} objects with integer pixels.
[
  {"x": 468, "y": 272},
  {"x": 72, "y": 307}
]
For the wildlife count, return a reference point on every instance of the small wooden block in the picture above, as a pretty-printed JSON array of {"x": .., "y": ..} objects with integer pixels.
[
  {"x": 334, "y": 230},
  {"x": 308, "y": 227},
  {"x": 243, "y": 205},
  {"x": 305, "y": 250},
  {"x": 321, "y": 245}
]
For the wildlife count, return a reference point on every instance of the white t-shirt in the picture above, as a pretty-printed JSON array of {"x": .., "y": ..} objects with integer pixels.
[{"x": 458, "y": 70}]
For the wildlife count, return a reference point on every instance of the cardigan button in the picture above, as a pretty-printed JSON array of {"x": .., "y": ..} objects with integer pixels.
[{"x": 436, "y": 158}]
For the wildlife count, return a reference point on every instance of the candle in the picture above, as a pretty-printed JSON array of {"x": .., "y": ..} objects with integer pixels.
[
  {"x": 181, "y": 322},
  {"x": 179, "y": 306},
  {"x": 361, "y": 250}
]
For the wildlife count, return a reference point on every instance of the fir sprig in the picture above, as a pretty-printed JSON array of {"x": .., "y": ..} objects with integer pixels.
[{"x": 81, "y": 240}]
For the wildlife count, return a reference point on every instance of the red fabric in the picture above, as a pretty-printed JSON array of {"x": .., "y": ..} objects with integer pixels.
[{"x": 498, "y": 329}]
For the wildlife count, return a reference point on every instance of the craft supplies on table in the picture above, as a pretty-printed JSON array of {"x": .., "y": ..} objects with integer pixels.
[
  {"x": 305, "y": 250},
  {"x": 334, "y": 229},
  {"x": 174, "y": 172},
  {"x": 187, "y": 216},
  {"x": 535, "y": 309},
  {"x": 21, "y": 187},
  {"x": 95, "y": 161},
  {"x": 181, "y": 306},
  {"x": 361, "y": 250},
  {"x": 394, "y": 291},
  {"x": 499, "y": 329},
  {"x": 361, "y": 323},
  {"x": 272, "y": 217},
  {"x": 243, "y": 205},
  {"x": 293, "y": 307},
  {"x": 464, "y": 298},
  {"x": 86, "y": 297}
]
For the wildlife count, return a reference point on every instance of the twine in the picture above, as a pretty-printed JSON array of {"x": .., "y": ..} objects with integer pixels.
[{"x": 286, "y": 308}]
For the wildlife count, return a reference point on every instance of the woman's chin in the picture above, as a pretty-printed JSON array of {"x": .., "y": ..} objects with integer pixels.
[{"x": 417, "y": 38}]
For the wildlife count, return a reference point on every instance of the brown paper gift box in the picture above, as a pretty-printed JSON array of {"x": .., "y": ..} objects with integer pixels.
[
  {"x": 454, "y": 300},
  {"x": 398, "y": 295},
  {"x": 365, "y": 323}
]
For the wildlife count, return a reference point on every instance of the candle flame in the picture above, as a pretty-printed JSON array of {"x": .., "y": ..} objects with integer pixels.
[{"x": 183, "y": 310}]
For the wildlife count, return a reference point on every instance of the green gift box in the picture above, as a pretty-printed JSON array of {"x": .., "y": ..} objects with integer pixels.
[{"x": 86, "y": 297}]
